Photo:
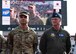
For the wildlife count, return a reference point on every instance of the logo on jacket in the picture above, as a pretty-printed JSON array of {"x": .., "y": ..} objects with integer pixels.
[
  {"x": 52, "y": 35},
  {"x": 61, "y": 35}
]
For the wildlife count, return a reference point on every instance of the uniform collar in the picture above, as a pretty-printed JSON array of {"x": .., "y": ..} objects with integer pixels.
[
  {"x": 21, "y": 30},
  {"x": 56, "y": 30}
]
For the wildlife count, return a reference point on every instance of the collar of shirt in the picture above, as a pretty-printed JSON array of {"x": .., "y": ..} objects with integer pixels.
[
  {"x": 21, "y": 30},
  {"x": 56, "y": 30}
]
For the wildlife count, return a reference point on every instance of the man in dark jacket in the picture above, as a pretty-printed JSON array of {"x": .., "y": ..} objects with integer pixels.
[{"x": 55, "y": 40}]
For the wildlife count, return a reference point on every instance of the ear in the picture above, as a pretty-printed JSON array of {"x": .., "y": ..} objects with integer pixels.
[
  {"x": 60, "y": 19},
  {"x": 28, "y": 18},
  {"x": 60, "y": 22}
]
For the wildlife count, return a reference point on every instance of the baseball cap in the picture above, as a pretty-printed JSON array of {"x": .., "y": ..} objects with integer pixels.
[
  {"x": 24, "y": 13},
  {"x": 56, "y": 15}
]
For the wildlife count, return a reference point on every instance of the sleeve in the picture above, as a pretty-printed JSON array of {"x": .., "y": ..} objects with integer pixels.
[
  {"x": 2, "y": 43},
  {"x": 39, "y": 20},
  {"x": 35, "y": 42},
  {"x": 68, "y": 44},
  {"x": 75, "y": 37},
  {"x": 42, "y": 45}
]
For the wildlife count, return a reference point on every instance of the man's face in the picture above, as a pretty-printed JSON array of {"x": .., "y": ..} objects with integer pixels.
[
  {"x": 55, "y": 21},
  {"x": 13, "y": 13},
  {"x": 24, "y": 19},
  {"x": 31, "y": 8}
]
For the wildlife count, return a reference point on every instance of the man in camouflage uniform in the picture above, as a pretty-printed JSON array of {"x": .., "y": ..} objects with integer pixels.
[
  {"x": 22, "y": 40},
  {"x": 35, "y": 18}
]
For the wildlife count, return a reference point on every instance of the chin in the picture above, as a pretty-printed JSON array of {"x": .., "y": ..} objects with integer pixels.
[
  {"x": 55, "y": 24},
  {"x": 23, "y": 23}
]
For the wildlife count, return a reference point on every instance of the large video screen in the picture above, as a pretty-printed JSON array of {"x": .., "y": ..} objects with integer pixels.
[{"x": 40, "y": 12}]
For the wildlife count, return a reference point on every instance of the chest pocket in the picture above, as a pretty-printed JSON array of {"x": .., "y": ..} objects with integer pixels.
[
  {"x": 29, "y": 39},
  {"x": 62, "y": 37},
  {"x": 54, "y": 38},
  {"x": 23, "y": 38}
]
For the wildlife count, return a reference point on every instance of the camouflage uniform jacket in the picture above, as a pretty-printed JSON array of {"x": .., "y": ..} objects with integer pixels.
[
  {"x": 35, "y": 20},
  {"x": 22, "y": 41}
]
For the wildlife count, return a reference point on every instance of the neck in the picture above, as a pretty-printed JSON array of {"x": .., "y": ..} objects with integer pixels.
[
  {"x": 24, "y": 27},
  {"x": 57, "y": 27},
  {"x": 33, "y": 13}
]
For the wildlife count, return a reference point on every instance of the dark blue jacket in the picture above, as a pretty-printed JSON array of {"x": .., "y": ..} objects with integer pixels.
[{"x": 55, "y": 42}]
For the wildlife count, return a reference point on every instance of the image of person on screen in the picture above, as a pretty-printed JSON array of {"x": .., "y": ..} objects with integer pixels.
[
  {"x": 13, "y": 16},
  {"x": 48, "y": 22},
  {"x": 55, "y": 40},
  {"x": 35, "y": 18},
  {"x": 22, "y": 40}
]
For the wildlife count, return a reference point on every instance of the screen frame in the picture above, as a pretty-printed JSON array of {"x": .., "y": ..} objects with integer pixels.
[{"x": 37, "y": 27}]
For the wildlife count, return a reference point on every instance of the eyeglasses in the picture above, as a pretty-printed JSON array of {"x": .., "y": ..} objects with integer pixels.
[{"x": 23, "y": 16}]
